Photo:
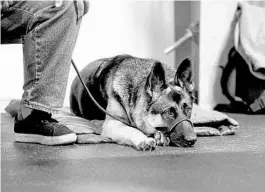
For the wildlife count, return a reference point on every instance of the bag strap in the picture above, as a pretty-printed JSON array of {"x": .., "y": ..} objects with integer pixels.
[{"x": 227, "y": 71}]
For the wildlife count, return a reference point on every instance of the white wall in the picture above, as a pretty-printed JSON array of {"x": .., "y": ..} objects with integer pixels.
[
  {"x": 140, "y": 28},
  {"x": 215, "y": 41},
  {"x": 11, "y": 71}
]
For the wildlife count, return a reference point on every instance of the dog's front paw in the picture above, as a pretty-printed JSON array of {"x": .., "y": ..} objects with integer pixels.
[
  {"x": 161, "y": 139},
  {"x": 148, "y": 144}
]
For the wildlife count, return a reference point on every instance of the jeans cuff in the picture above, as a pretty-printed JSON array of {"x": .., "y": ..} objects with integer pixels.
[{"x": 41, "y": 107}]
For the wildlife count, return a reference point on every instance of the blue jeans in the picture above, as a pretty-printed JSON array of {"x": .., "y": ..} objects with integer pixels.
[{"x": 49, "y": 35}]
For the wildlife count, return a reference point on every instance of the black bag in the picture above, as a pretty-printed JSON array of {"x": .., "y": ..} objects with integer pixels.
[{"x": 249, "y": 95}]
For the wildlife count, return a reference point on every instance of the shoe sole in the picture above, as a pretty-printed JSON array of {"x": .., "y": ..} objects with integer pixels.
[{"x": 46, "y": 140}]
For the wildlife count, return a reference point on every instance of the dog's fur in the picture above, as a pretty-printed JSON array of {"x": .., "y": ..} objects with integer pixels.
[{"x": 143, "y": 92}]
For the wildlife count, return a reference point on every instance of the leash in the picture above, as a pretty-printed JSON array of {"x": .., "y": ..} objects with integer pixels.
[
  {"x": 93, "y": 99},
  {"x": 176, "y": 123}
]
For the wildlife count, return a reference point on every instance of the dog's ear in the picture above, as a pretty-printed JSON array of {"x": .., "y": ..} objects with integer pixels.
[
  {"x": 155, "y": 81},
  {"x": 184, "y": 75}
]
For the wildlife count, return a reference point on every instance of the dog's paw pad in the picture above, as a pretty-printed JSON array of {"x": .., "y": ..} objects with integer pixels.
[
  {"x": 161, "y": 139},
  {"x": 147, "y": 145}
]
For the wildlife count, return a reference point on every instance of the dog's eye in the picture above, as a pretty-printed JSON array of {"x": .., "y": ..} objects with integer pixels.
[
  {"x": 186, "y": 109},
  {"x": 170, "y": 113}
]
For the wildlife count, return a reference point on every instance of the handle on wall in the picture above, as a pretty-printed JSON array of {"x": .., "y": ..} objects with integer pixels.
[{"x": 191, "y": 33}]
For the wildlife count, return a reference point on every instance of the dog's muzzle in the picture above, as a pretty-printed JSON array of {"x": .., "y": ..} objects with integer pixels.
[{"x": 182, "y": 133}]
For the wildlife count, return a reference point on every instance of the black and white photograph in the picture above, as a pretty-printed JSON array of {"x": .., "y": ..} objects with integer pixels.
[{"x": 132, "y": 95}]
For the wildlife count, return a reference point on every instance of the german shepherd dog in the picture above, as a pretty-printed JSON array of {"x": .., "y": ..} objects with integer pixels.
[{"x": 147, "y": 94}]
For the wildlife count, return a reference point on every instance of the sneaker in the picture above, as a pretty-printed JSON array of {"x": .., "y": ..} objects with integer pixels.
[{"x": 40, "y": 127}]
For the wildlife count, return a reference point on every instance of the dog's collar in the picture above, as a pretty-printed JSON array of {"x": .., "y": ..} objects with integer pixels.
[{"x": 176, "y": 123}]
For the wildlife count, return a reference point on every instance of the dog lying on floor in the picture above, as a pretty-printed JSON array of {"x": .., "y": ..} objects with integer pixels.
[{"x": 145, "y": 93}]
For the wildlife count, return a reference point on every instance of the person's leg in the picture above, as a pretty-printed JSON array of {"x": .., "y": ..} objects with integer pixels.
[{"x": 50, "y": 36}]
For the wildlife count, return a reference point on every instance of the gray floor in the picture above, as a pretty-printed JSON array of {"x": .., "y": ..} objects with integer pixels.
[{"x": 231, "y": 163}]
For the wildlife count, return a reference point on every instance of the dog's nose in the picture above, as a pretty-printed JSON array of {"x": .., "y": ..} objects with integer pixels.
[
  {"x": 190, "y": 140},
  {"x": 183, "y": 135}
]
